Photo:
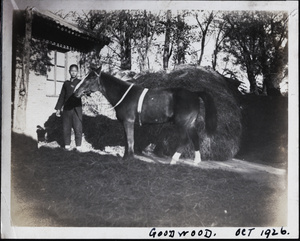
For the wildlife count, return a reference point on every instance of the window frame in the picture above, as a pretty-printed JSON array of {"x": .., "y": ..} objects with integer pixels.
[{"x": 56, "y": 92}]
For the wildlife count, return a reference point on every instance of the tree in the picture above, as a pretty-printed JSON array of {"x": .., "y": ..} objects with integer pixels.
[
  {"x": 256, "y": 41},
  {"x": 168, "y": 46},
  {"x": 274, "y": 49},
  {"x": 124, "y": 35},
  {"x": 244, "y": 33},
  {"x": 117, "y": 25},
  {"x": 177, "y": 37},
  {"x": 204, "y": 27},
  {"x": 219, "y": 27},
  {"x": 181, "y": 37},
  {"x": 146, "y": 26},
  {"x": 129, "y": 30}
]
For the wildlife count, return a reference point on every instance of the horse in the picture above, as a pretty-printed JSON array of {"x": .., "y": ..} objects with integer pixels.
[{"x": 134, "y": 103}]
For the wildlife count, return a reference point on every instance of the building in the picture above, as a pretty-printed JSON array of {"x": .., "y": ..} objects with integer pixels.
[{"x": 34, "y": 96}]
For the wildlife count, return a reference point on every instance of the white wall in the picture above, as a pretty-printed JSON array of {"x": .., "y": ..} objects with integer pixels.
[{"x": 39, "y": 105}]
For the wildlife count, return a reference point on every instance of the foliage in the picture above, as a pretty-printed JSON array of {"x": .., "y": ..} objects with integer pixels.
[
  {"x": 117, "y": 25},
  {"x": 181, "y": 37},
  {"x": 135, "y": 31},
  {"x": 147, "y": 27},
  {"x": 40, "y": 60},
  {"x": 257, "y": 40},
  {"x": 274, "y": 48},
  {"x": 130, "y": 30}
]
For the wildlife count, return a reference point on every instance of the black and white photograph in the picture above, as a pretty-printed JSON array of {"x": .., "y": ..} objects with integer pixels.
[{"x": 149, "y": 119}]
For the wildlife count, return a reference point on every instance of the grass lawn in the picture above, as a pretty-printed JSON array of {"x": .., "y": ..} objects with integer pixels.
[{"x": 88, "y": 189}]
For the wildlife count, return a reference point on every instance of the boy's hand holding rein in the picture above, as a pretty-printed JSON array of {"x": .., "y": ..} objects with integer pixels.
[{"x": 58, "y": 113}]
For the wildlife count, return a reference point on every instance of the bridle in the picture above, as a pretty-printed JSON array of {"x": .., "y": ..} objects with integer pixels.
[
  {"x": 98, "y": 76},
  {"x": 140, "y": 101},
  {"x": 80, "y": 83}
]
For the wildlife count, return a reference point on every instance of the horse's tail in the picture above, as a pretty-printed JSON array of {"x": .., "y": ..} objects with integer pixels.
[{"x": 210, "y": 112}]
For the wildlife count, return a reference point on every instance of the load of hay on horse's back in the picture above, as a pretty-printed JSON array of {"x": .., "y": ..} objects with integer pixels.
[{"x": 224, "y": 143}]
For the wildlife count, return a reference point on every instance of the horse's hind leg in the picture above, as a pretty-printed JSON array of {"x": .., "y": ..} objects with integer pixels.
[
  {"x": 192, "y": 132},
  {"x": 184, "y": 140},
  {"x": 175, "y": 158}
]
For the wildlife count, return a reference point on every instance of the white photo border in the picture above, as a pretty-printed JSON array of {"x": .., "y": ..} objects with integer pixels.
[{"x": 8, "y": 231}]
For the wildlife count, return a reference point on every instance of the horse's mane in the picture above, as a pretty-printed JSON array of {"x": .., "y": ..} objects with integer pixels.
[{"x": 113, "y": 80}]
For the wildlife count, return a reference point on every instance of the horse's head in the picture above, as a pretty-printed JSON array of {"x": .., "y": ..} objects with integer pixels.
[{"x": 89, "y": 84}]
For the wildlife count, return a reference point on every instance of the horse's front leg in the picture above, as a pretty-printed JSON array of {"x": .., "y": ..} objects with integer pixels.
[{"x": 129, "y": 132}]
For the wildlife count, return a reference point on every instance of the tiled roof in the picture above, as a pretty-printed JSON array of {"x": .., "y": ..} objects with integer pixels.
[{"x": 55, "y": 30}]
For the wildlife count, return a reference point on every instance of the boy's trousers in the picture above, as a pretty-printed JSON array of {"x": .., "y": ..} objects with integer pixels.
[{"x": 72, "y": 119}]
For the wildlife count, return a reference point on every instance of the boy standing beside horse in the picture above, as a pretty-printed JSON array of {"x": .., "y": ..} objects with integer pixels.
[{"x": 71, "y": 108}]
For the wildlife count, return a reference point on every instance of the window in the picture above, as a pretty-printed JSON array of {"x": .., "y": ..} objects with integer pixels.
[{"x": 58, "y": 72}]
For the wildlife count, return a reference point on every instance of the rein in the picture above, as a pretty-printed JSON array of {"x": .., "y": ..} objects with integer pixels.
[
  {"x": 123, "y": 97},
  {"x": 98, "y": 75},
  {"x": 80, "y": 83}
]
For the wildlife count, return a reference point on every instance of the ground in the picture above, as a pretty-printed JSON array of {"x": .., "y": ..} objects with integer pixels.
[{"x": 54, "y": 187}]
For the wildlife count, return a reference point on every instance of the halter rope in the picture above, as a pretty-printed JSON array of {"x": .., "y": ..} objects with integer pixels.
[
  {"x": 98, "y": 75},
  {"x": 119, "y": 102},
  {"x": 80, "y": 83}
]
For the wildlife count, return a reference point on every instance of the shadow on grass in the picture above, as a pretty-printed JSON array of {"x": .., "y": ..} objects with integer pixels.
[
  {"x": 101, "y": 131},
  {"x": 91, "y": 190}
]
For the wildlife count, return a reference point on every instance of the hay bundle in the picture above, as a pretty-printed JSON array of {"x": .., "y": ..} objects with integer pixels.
[
  {"x": 224, "y": 144},
  {"x": 101, "y": 131}
]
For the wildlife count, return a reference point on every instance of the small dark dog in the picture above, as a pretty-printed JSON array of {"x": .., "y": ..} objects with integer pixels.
[{"x": 41, "y": 135}]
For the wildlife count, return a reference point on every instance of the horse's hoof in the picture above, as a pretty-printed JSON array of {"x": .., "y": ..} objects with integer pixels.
[{"x": 197, "y": 162}]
